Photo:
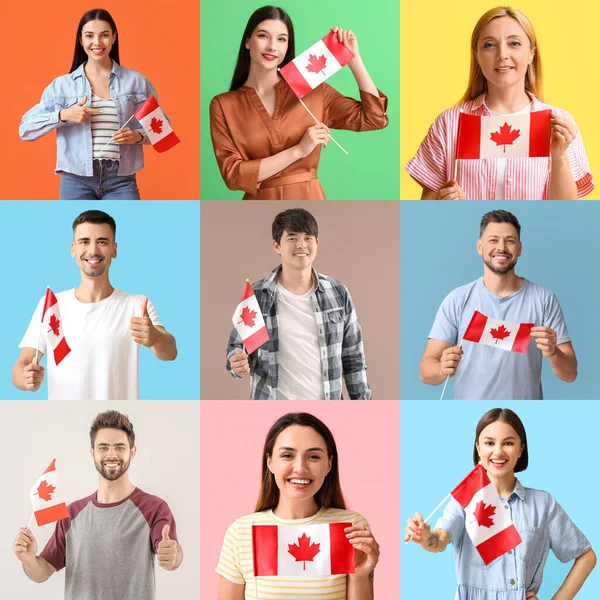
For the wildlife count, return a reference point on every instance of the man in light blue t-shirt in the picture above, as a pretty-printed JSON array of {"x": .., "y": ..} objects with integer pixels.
[{"x": 484, "y": 372}]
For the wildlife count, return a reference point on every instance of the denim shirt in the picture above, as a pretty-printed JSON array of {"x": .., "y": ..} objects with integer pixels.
[
  {"x": 129, "y": 89},
  {"x": 543, "y": 525}
]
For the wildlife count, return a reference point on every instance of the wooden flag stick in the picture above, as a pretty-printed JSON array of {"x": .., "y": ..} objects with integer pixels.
[
  {"x": 35, "y": 360},
  {"x": 431, "y": 515},
  {"x": 318, "y": 123},
  {"x": 30, "y": 520},
  {"x": 446, "y": 382},
  {"x": 107, "y": 143}
]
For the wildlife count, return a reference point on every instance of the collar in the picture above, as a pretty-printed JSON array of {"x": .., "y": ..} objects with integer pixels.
[
  {"x": 479, "y": 105},
  {"x": 80, "y": 70},
  {"x": 270, "y": 281},
  {"x": 518, "y": 491}
]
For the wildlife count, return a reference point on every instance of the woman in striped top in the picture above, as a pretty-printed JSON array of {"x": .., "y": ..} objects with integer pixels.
[
  {"x": 505, "y": 79},
  {"x": 96, "y": 157},
  {"x": 300, "y": 486}
]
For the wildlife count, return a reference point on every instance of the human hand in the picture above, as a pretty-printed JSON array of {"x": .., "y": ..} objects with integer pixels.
[
  {"x": 313, "y": 136},
  {"x": 545, "y": 339},
  {"x": 451, "y": 191},
  {"x": 78, "y": 113},
  {"x": 238, "y": 361},
  {"x": 416, "y": 529},
  {"x": 33, "y": 375},
  {"x": 564, "y": 132},
  {"x": 167, "y": 550},
  {"x": 531, "y": 595},
  {"x": 127, "y": 136},
  {"x": 25, "y": 546},
  {"x": 367, "y": 550},
  {"x": 142, "y": 329},
  {"x": 347, "y": 37},
  {"x": 449, "y": 360}
]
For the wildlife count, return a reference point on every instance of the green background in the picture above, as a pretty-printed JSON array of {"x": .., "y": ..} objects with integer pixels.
[{"x": 370, "y": 171}]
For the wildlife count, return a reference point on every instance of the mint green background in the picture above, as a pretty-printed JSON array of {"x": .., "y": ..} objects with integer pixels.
[{"x": 371, "y": 170}]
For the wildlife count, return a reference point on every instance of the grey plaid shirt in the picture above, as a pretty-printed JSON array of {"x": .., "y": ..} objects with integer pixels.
[{"x": 340, "y": 341}]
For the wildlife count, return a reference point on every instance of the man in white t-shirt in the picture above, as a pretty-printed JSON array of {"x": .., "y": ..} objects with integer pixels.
[{"x": 103, "y": 327}]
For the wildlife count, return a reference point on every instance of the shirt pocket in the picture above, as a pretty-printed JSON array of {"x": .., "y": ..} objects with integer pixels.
[
  {"x": 477, "y": 561},
  {"x": 333, "y": 321},
  {"x": 61, "y": 102},
  {"x": 530, "y": 549}
]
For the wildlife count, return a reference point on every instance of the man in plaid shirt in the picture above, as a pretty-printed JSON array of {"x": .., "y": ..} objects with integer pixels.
[{"x": 314, "y": 334}]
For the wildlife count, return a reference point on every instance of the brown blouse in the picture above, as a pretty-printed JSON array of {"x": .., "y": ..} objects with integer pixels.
[{"x": 243, "y": 133}]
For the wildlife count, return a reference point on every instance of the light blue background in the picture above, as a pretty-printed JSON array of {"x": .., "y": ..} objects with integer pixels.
[
  {"x": 560, "y": 252},
  {"x": 436, "y": 449},
  {"x": 158, "y": 256}
]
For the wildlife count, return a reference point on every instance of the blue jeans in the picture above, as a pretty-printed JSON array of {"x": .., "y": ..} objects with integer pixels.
[{"x": 105, "y": 184}]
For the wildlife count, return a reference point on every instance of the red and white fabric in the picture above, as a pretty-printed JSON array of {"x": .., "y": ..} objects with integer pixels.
[
  {"x": 249, "y": 322},
  {"x": 514, "y": 337},
  {"x": 55, "y": 333},
  {"x": 311, "y": 550},
  {"x": 487, "y": 521},
  {"x": 155, "y": 124},
  {"x": 304, "y": 74},
  {"x": 46, "y": 497}
]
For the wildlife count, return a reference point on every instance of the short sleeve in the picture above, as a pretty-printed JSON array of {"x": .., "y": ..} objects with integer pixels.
[
  {"x": 445, "y": 325},
  {"x": 554, "y": 319},
  {"x": 452, "y": 521},
  {"x": 32, "y": 338},
  {"x": 566, "y": 540},
  {"x": 55, "y": 551},
  {"x": 229, "y": 560},
  {"x": 342, "y": 112},
  {"x": 579, "y": 165},
  {"x": 162, "y": 516}
]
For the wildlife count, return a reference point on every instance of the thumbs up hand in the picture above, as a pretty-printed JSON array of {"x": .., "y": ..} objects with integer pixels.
[
  {"x": 142, "y": 329},
  {"x": 167, "y": 550},
  {"x": 78, "y": 113}
]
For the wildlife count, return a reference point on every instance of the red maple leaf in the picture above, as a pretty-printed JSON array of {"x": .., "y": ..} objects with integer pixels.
[
  {"x": 304, "y": 550},
  {"x": 45, "y": 491},
  {"x": 54, "y": 325},
  {"x": 484, "y": 514},
  {"x": 156, "y": 125},
  {"x": 248, "y": 316},
  {"x": 316, "y": 64},
  {"x": 499, "y": 333},
  {"x": 505, "y": 136}
]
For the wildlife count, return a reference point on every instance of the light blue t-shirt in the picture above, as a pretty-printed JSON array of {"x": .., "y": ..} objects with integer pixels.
[
  {"x": 487, "y": 373},
  {"x": 543, "y": 526}
]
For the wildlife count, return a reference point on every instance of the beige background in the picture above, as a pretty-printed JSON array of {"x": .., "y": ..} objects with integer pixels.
[{"x": 359, "y": 245}]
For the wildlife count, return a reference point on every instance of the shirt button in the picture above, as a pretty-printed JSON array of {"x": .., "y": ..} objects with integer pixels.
[
  {"x": 510, "y": 551},
  {"x": 506, "y": 506},
  {"x": 512, "y": 582},
  {"x": 508, "y": 180},
  {"x": 320, "y": 331}
]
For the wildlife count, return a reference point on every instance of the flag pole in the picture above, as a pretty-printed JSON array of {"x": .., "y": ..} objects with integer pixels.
[
  {"x": 35, "y": 360},
  {"x": 447, "y": 378},
  {"x": 253, "y": 561},
  {"x": 318, "y": 123},
  {"x": 107, "y": 143},
  {"x": 30, "y": 520},
  {"x": 431, "y": 514}
]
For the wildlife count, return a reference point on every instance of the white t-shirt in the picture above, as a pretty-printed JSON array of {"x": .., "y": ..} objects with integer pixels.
[
  {"x": 300, "y": 370},
  {"x": 103, "y": 362}
]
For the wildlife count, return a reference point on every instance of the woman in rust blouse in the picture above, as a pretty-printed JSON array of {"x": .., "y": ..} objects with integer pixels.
[{"x": 265, "y": 142}]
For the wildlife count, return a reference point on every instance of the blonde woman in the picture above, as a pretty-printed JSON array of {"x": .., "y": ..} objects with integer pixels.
[{"x": 505, "y": 79}]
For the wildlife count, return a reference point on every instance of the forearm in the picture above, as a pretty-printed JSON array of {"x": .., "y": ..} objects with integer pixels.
[
  {"x": 360, "y": 588},
  {"x": 564, "y": 365},
  {"x": 580, "y": 571},
  {"x": 430, "y": 370},
  {"x": 436, "y": 542},
  {"x": 562, "y": 184},
  {"x": 38, "y": 569},
  {"x": 165, "y": 348},
  {"x": 274, "y": 164},
  {"x": 363, "y": 79}
]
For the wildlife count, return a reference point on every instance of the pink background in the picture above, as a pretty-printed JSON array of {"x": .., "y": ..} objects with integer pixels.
[{"x": 367, "y": 435}]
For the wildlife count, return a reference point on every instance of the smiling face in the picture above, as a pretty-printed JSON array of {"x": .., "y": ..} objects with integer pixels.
[
  {"x": 297, "y": 250},
  {"x": 111, "y": 453},
  {"x": 93, "y": 248},
  {"x": 268, "y": 44},
  {"x": 500, "y": 247},
  {"x": 499, "y": 448},
  {"x": 504, "y": 52},
  {"x": 97, "y": 38},
  {"x": 299, "y": 462}
]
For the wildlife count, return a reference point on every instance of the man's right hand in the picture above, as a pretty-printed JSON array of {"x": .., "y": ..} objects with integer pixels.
[
  {"x": 238, "y": 362},
  {"x": 33, "y": 375},
  {"x": 78, "y": 113},
  {"x": 449, "y": 360},
  {"x": 25, "y": 545}
]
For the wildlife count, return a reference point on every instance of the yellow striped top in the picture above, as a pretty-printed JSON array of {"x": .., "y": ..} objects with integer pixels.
[
  {"x": 235, "y": 562},
  {"x": 103, "y": 127}
]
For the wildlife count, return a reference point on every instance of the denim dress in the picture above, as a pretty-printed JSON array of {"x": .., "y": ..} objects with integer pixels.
[
  {"x": 129, "y": 89},
  {"x": 543, "y": 526}
]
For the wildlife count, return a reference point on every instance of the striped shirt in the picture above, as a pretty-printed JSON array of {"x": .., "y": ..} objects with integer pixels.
[
  {"x": 524, "y": 178},
  {"x": 103, "y": 127},
  {"x": 235, "y": 562}
]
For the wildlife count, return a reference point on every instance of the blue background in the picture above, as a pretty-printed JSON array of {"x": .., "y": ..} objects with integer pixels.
[
  {"x": 436, "y": 449},
  {"x": 560, "y": 252},
  {"x": 158, "y": 255}
]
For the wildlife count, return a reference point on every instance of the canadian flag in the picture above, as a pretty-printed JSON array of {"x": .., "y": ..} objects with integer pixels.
[
  {"x": 249, "y": 322},
  {"x": 487, "y": 520},
  {"x": 504, "y": 136},
  {"x": 315, "y": 65},
  {"x": 312, "y": 550},
  {"x": 514, "y": 337},
  {"x": 47, "y": 503},
  {"x": 155, "y": 124},
  {"x": 55, "y": 333}
]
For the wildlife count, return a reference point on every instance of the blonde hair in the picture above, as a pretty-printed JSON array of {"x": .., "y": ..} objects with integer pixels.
[{"x": 533, "y": 79}]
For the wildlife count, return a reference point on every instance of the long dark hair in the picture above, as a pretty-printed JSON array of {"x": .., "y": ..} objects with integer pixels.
[
  {"x": 96, "y": 14},
  {"x": 330, "y": 495},
  {"x": 242, "y": 66}
]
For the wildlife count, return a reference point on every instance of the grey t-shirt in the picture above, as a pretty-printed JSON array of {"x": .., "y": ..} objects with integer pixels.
[
  {"x": 108, "y": 549},
  {"x": 487, "y": 373}
]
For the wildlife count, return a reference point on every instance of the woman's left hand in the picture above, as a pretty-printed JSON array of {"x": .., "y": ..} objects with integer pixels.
[
  {"x": 367, "y": 549},
  {"x": 346, "y": 37},
  {"x": 531, "y": 596},
  {"x": 127, "y": 136},
  {"x": 564, "y": 132}
]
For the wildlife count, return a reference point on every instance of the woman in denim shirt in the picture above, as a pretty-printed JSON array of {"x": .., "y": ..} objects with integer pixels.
[
  {"x": 86, "y": 108},
  {"x": 501, "y": 448}
]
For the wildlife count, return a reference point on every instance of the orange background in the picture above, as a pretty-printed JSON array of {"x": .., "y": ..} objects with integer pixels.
[{"x": 160, "y": 39}]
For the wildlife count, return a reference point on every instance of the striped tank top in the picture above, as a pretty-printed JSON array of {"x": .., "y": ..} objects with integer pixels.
[{"x": 103, "y": 127}]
